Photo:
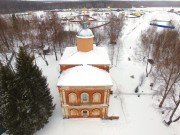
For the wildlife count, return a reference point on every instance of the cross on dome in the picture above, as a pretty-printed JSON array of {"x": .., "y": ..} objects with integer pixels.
[{"x": 85, "y": 32}]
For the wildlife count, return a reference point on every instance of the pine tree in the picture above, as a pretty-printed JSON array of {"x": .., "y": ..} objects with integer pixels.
[
  {"x": 34, "y": 100},
  {"x": 8, "y": 100}
]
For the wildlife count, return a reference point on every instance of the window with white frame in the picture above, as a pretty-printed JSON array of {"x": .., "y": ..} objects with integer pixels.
[{"x": 84, "y": 97}]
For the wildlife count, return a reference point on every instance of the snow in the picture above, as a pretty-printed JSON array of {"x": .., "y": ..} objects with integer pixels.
[
  {"x": 46, "y": 47},
  {"x": 97, "y": 56},
  {"x": 138, "y": 115},
  {"x": 84, "y": 75},
  {"x": 85, "y": 33}
]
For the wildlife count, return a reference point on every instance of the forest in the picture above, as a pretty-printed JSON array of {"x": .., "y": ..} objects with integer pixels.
[{"x": 14, "y": 6}]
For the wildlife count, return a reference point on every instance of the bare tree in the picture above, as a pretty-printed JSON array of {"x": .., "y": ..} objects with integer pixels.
[
  {"x": 60, "y": 39},
  {"x": 147, "y": 40},
  {"x": 176, "y": 102},
  {"x": 22, "y": 29},
  {"x": 41, "y": 38},
  {"x": 114, "y": 29},
  {"x": 167, "y": 61},
  {"x": 55, "y": 30},
  {"x": 42, "y": 35},
  {"x": 115, "y": 26},
  {"x": 6, "y": 36},
  {"x": 164, "y": 48},
  {"x": 70, "y": 37},
  {"x": 98, "y": 36},
  {"x": 7, "y": 40}
]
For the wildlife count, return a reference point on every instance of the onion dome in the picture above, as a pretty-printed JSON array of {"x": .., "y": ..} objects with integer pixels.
[
  {"x": 85, "y": 32},
  {"x": 84, "y": 38}
]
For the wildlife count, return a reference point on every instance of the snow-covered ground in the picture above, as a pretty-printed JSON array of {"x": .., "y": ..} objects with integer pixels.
[{"x": 138, "y": 115}]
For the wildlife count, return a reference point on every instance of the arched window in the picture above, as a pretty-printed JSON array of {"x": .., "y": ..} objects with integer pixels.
[
  {"x": 97, "y": 97},
  {"x": 72, "y": 98},
  {"x": 96, "y": 112},
  {"x": 74, "y": 112},
  {"x": 85, "y": 113},
  {"x": 84, "y": 97}
]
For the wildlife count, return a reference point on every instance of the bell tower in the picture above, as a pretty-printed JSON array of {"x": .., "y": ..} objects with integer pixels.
[{"x": 84, "y": 38}]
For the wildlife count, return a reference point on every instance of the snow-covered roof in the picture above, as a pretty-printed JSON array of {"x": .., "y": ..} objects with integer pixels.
[
  {"x": 84, "y": 75},
  {"x": 85, "y": 33},
  {"x": 97, "y": 56}
]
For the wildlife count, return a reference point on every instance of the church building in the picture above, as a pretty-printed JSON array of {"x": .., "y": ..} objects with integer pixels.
[{"x": 84, "y": 84}]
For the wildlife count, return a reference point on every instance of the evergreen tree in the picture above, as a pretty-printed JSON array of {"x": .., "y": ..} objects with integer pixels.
[
  {"x": 34, "y": 100},
  {"x": 8, "y": 107}
]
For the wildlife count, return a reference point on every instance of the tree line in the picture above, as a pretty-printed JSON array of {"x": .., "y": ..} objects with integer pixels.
[
  {"x": 23, "y": 6},
  {"x": 160, "y": 50},
  {"x": 34, "y": 34},
  {"x": 14, "y": 6}
]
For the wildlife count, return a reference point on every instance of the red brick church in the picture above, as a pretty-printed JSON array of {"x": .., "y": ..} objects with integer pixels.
[{"x": 85, "y": 83}]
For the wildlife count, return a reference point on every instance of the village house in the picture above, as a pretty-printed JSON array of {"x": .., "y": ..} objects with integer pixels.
[{"x": 85, "y": 83}]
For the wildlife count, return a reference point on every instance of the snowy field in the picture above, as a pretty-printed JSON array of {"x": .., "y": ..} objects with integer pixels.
[{"x": 139, "y": 115}]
